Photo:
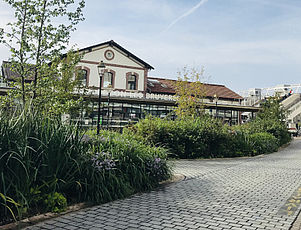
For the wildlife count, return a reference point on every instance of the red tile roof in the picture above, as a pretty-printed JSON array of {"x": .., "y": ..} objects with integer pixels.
[
  {"x": 166, "y": 86},
  {"x": 10, "y": 75}
]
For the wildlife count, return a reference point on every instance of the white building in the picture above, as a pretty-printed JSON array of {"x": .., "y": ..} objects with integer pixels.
[{"x": 128, "y": 93}]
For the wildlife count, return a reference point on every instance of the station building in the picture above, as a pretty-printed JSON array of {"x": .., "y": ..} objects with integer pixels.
[{"x": 129, "y": 92}]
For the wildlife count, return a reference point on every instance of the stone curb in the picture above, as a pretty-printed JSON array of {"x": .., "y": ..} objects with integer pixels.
[
  {"x": 47, "y": 216},
  {"x": 42, "y": 217},
  {"x": 297, "y": 222}
]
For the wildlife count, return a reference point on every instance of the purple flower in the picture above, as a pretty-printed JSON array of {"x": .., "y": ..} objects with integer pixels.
[
  {"x": 103, "y": 161},
  {"x": 86, "y": 138}
]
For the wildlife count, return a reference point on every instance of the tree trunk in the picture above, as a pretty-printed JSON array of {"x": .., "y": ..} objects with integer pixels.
[
  {"x": 40, "y": 36},
  {"x": 22, "y": 43}
]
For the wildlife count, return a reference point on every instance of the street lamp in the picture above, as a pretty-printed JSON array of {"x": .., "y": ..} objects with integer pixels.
[
  {"x": 100, "y": 67},
  {"x": 109, "y": 89},
  {"x": 215, "y": 98}
]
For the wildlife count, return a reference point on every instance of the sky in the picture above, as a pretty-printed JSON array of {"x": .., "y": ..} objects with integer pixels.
[{"x": 240, "y": 43}]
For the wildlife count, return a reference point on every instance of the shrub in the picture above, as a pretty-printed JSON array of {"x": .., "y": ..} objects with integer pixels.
[
  {"x": 275, "y": 127},
  {"x": 263, "y": 143},
  {"x": 207, "y": 137},
  {"x": 271, "y": 119},
  {"x": 55, "y": 202},
  {"x": 185, "y": 138}
]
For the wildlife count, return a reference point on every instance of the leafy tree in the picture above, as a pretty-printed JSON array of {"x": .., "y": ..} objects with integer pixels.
[
  {"x": 190, "y": 92},
  {"x": 271, "y": 119},
  {"x": 272, "y": 109},
  {"x": 36, "y": 40},
  {"x": 59, "y": 92}
]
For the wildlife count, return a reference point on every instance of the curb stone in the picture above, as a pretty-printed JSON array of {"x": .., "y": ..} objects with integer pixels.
[
  {"x": 297, "y": 222},
  {"x": 43, "y": 217},
  {"x": 47, "y": 216}
]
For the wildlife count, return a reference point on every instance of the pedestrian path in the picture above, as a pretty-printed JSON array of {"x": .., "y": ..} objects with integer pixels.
[{"x": 245, "y": 193}]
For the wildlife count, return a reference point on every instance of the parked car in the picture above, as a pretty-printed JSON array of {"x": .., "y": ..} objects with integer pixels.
[{"x": 293, "y": 131}]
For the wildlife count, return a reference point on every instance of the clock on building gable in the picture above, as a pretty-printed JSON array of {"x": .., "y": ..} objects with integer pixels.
[{"x": 109, "y": 55}]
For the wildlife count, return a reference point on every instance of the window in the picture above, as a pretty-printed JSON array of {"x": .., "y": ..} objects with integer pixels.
[
  {"x": 108, "y": 79},
  {"x": 83, "y": 78},
  {"x": 132, "y": 82},
  {"x": 82, "y": 75}
]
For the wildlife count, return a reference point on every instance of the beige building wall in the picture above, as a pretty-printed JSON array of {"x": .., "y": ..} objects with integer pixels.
[{"x": 120, "y": 63}]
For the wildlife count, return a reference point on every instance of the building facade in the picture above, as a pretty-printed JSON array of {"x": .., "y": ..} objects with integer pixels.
[{"x": 129, "y": 93}]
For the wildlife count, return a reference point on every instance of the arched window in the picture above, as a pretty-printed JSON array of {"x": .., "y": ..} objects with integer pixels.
[
  {"x": 132, "y": 80},
  {"x": 108, "y": 79},
  {"x": 84, "y": 77}
]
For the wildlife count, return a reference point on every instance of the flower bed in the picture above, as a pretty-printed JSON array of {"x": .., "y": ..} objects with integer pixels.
[{"x": 45, "y": 165}]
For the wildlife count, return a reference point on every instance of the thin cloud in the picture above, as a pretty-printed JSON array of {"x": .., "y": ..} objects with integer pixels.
[{"x": 185, "y": 15}]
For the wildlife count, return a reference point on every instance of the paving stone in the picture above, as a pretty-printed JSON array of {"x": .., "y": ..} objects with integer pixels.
[
  {"x": 154, "y": 226},
  {"x": 180, "y": 228},
  {"x": 241, "y": 193},
  {"x": 70, "y": 227}
]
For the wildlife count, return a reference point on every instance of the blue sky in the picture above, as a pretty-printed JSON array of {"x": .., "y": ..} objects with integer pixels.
[{"x": 241, "y": 43}]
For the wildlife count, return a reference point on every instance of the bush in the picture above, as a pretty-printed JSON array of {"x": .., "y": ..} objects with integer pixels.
[
  {"x": 185, "y": 138},
  {"x": 55, "y": 202},
  {"x": 207, "y": 137},
  {"x": 271, "y": 119},
  {"x": 275, "y": 127},
  {"x": 263, "y": 143}
]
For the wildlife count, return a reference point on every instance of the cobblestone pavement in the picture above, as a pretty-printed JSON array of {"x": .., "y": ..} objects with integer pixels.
[{"x": 246, "y": 193}]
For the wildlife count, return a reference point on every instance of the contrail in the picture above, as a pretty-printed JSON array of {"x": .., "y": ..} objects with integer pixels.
[{"x": 186, "y": 14}]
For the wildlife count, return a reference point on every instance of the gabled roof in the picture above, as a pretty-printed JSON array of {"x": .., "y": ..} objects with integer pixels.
[
  {"x": 10, "y": 75},
  {"x": 166, "y": 86},
  {"x": 113, "y": 43}
]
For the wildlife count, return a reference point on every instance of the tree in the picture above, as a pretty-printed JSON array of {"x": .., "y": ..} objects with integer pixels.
[
  {"x": 37, "y": 39},
  {"x": 271, "y": 119},
  {"x": 190, "y": 93},
  {"x": 272, "y": 109},
  {"x": 60, "y": 91}
]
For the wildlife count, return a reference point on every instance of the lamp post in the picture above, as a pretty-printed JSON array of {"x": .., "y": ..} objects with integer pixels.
[
  {"x": 215, "y": 98},
  {"x": 109, "y": 89},
  {"x": 100, "y": 67}
]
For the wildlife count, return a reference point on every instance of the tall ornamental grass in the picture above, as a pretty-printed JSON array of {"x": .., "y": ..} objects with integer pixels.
[
  {"x": 45, "y": 165},
  {"x": 135, "y": 165},
  {"x": 38, "y": 157}
]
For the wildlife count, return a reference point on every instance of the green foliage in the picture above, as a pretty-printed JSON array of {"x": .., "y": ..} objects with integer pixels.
[
  {"x": 36, "y": 41},
  {"x": 263, "y": 143},
  {"x": 59, "y": 92},
  {"x": 270, "y": 119},
  {"x": 272, "y": 110},
  {"x": 6, "y": 203},
  {"x": 185, "y": 138},
  {"x": 139, "y": 165},
  {"x": 206, "y": 137},
  {"x": 190, "y": 92},
  {"x": 37, "y": 155},
  {"x": 43, "y": 162},
  {"x": 272, "y": 126},
  {"x": 55, "y": 202}
]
